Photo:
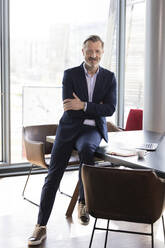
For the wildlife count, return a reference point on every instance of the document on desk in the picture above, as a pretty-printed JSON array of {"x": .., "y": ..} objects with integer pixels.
[{"x": 123, "y": 152}]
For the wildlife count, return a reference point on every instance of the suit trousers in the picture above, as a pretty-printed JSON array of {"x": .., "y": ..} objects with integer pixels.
[{"x": 86, "y": 142}]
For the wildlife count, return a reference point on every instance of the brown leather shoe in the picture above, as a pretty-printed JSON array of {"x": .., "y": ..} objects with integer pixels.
[
  {"x": 83, "y": 215},
  {"x": 38, "y": 235}
]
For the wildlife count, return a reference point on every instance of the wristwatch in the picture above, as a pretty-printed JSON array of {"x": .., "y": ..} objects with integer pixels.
[{"x": 85, "y": 106}]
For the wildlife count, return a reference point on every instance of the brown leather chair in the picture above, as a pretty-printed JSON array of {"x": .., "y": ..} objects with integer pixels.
[
  {"x": 37, "y": 149},
  {"x": 124, "y": 195}
]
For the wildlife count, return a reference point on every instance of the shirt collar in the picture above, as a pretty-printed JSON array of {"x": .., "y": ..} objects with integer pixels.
[{"x": 86, "y": 72}]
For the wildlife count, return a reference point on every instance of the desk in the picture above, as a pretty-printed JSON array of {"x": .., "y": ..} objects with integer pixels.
[{"x": 128, "y": 139}]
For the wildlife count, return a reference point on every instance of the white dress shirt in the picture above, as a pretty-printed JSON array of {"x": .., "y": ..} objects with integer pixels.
[{"x": 91, "y": 80}]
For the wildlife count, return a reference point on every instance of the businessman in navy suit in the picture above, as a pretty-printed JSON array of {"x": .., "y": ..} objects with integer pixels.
[{"x": 89, "y": 95}]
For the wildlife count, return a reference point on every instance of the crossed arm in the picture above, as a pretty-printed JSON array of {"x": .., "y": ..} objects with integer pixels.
[{"x": 73, "y": 104}]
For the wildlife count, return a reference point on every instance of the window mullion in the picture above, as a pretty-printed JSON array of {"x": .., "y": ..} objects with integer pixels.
[
  {"x": 5, "y": 77},
  {"x": 121, "y": 29}
]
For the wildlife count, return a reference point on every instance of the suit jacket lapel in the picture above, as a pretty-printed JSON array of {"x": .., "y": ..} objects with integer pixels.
[
  {"x": 83, "y": 83},
  {"x": 98, "y": 84}
]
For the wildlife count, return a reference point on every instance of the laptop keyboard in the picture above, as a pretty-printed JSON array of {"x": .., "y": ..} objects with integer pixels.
[{"x": 148, "y": 146}]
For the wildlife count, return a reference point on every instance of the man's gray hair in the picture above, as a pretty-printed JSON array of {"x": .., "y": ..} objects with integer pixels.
[{"x": 94, "y": 38}]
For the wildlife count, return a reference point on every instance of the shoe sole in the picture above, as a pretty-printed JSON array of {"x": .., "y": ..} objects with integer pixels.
[
  {"x": 83, "y": 223},
  {"x": 38, "y": 242}
]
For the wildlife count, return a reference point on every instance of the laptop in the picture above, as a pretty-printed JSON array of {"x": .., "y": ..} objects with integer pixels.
[{"x": 148, "y": 146}]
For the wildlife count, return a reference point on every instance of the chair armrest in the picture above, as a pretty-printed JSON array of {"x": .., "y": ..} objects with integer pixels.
[
  {"x": 121, "y": 129},
  {"x": 35, "y": 153}
]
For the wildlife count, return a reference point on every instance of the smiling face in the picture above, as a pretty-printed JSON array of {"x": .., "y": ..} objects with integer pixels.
[{"x": 92, "y": 52}]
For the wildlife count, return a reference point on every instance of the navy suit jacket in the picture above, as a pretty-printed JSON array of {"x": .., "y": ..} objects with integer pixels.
[{"x": 103, "y": 103}]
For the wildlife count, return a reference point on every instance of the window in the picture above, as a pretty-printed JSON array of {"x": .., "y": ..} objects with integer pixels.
[
  {"x": 45, "y": 39},
  {"x": 134, "y": 55}
]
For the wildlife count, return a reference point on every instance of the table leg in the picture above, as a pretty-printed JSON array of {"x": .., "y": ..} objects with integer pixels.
[{"x": 73, "y": 201}]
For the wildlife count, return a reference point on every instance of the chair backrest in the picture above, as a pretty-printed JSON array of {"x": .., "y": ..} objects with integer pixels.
[
  {"x": 123, "y": 194},
  {"x": 134, "y": 120},
  {"x": 39, "y": 133},
  {"x": 36, "y": 146}
]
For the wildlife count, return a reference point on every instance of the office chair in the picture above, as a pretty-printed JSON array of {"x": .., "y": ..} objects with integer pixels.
[
  {"x": 37, "y": 149},
  {"x": 134, "y": 120},
  {"x": 124, "y": 195}
]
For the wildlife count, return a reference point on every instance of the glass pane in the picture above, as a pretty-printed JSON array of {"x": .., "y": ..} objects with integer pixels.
[
  {"x": 39, "y": 109},
  {"x": 134, "y": 60},
  {"x": 46, "y": 38},
  {"x": 109, "y": 60}
]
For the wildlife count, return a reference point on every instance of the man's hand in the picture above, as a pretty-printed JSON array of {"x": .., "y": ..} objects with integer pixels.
[{"x": 73, "y": 104}]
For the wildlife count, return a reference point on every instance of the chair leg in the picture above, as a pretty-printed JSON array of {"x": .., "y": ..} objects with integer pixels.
[
  {"x": 63, "y": 193},
  {"x": 152, "y": 236},
  {"x": 90, "y": 244},
  {"x": 23, "y": 192},
  {"x": 106, "y": 236},
  {"x": 163, "y": 227}
]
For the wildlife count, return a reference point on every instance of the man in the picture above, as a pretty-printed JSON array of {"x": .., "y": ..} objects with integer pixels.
[{"x": 89, "y": 94}]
